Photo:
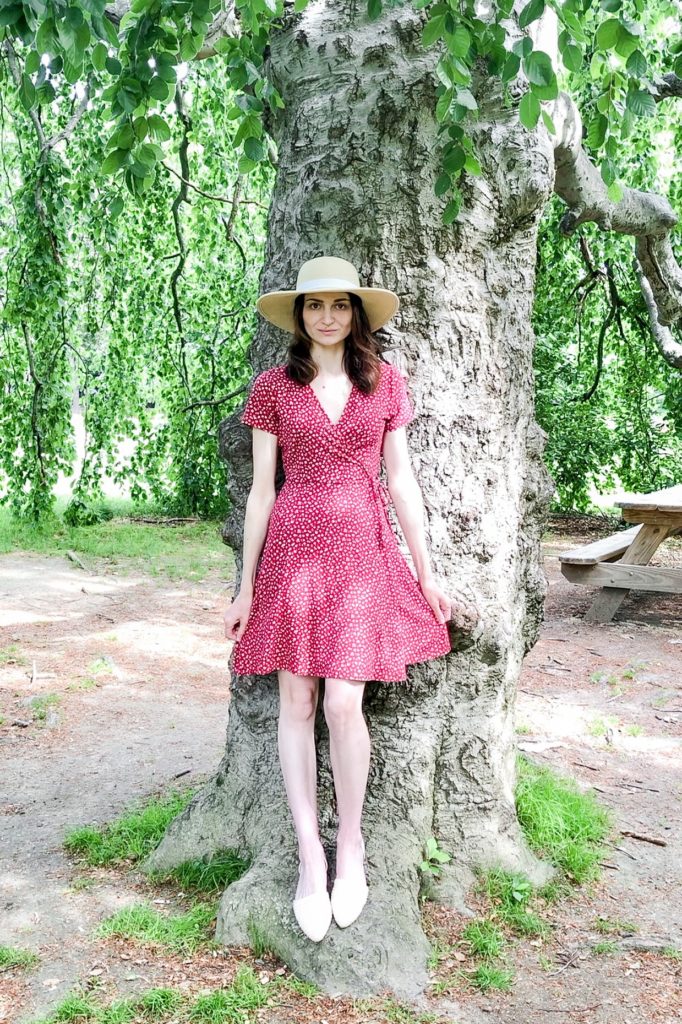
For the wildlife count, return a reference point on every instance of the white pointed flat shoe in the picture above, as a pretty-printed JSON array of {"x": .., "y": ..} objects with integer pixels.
[
  {"x": 348, "y": 898},
  {"x": 314, "y": 914}
]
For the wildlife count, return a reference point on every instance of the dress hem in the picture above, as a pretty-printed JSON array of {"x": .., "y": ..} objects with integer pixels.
[{"x": 327, "y": 674}]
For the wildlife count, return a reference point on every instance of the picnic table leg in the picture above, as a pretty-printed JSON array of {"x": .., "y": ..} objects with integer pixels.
[{"x": 609, "y": 599}]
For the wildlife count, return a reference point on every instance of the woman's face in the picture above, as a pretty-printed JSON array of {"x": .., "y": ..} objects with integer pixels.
[{"x": 327, "y": 317}]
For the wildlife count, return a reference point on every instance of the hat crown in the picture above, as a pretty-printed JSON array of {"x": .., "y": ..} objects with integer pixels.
[{"x": 331, "y": 268}]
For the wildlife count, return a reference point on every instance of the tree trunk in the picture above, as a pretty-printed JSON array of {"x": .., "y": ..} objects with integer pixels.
[{"x": 358, "y": 159}]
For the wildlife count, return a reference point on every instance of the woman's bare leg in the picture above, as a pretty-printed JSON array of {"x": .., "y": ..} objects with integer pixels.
[
  {"x": 296, "y": 742},
  {"x": 349, "y": 747}
]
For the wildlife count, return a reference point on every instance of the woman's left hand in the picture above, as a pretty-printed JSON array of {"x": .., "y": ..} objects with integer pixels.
[{"x": 440, "y": 603}]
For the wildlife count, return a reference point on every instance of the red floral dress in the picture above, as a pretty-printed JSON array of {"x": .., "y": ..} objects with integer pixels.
[{"x": 333, "y": 594}]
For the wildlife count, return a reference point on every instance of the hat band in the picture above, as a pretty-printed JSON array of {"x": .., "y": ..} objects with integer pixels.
[{"x": 327, "y": 284}]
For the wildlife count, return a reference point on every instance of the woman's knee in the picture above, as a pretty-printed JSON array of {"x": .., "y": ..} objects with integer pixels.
[
  {"x": 298, "y": 695},
  {"x": 342, "y": 702}
]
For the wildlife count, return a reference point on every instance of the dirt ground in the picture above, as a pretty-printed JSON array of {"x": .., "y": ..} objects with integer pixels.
[{"x": 139, "y": 667}]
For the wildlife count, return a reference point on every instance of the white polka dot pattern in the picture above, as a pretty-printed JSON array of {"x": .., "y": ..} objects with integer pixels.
[{"x": 333, "y": 594}]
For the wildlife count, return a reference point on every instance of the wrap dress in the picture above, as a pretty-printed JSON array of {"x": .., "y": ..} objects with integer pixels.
[{"x": 333, "y": 594}]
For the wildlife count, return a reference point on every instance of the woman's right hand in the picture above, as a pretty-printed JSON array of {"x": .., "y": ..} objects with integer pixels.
[{"x": 237, "y": 615}]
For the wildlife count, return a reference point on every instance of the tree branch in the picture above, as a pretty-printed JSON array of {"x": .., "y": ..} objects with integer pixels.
[{"x": 646, "y": 215}]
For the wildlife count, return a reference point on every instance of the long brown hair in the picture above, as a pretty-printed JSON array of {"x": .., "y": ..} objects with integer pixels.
[{"x": 361, "y": 357}]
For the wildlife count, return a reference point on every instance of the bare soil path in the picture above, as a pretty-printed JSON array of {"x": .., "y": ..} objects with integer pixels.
[{"x": 138, "y": 665}]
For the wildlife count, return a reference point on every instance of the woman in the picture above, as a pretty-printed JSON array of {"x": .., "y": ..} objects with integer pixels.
[{"x": 331, "y": 595}]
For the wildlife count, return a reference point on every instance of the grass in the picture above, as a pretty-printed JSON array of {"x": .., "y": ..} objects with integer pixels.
[
  {"x": 561, "y": 823},
  {"x": 236, "y": 1004},
  {"x": 487, "y": 976},
  {"x": 206, "y": 875},
  {"x": 607, "y": 946},
  {"x": 672, "y": 953},
  {"x": 187, "y": 552},
  {"x": 598, "y": 727},
  {"x": 130, "y": 837},
  {"x": 510, "y": 895},
  {"x": 39, "y": 705},
  {"x": 11, "y": 655},
  {"x": 484, "y": 938},
  {"x": 12, "y": 956},
  {"x": 606, "y": 926},
  {"x": 181, "y": 933}
]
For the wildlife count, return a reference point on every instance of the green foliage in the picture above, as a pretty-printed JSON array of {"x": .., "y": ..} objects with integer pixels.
[
  {"x": 181, "y": 933},
  {"x": 559, "y": 821},
  {"x": 130, "y": 837},
  {"x": 433, "y": 858},
  {"x": 12, "y": 956}
]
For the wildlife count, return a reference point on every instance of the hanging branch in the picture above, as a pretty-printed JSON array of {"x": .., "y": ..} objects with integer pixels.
[{"x": 180, "y": 198}]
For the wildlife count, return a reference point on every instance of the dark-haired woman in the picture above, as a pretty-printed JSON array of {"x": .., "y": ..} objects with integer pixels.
[{"x": 326, "y": 592}]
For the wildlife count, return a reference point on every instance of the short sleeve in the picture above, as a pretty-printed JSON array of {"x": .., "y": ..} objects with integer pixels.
[
  {"x": 261, "y": 406},
  {"x": 401, "y": 408}
]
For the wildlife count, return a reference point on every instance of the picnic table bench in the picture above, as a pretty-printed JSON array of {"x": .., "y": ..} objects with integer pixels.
[{"x": 619, "y": 563}]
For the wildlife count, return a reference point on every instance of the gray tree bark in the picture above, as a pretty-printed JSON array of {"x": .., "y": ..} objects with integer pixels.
[{"x": 357, "y": 162}]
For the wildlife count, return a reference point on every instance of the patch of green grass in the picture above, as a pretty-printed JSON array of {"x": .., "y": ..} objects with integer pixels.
[
  {"x": 39, "y": 705},
  {"x": 634, "y": 730},
  {"x": 607, "y": 946},
  {"x": 606, "y": 925},
  {"x": 510, "y": 895},
  {"x": 233, "y": 1005},
  {"x": 186, "y": 551},
  {"x": 672, "y": 953},
  {"x": 182, "y": 933},
  {"x": 487, "y": 976},
  {"x": 307, "y": 989},
  {"x": 11, "y": 655},
  {"x": 155, "y": 1004},
  {"x": 599, "y": 726},
  {"x": 523, "y": 729},
  {"x": 206, "y": 875},
  {"x": 84, "y": 882},
  {"x": 258, "y": 938},
  {"x": 130, "y": 837},
  {"x": 560, "y": 822},
  {"x": 484, "y": 938},
  {"x": 400, "y": 1013},
  {"x": 13, "y": 956},
  {"x": 439, "y": 951}
]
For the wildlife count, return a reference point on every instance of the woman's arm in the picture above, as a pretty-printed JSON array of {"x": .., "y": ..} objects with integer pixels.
[
  {"x": 406, "y": 495},
  {"x": 257, "y": 516},
  {"x": 259, "y": 504}
]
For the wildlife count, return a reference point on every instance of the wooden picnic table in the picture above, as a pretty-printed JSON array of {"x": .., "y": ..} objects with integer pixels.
[{"x": 619, "y": 563}]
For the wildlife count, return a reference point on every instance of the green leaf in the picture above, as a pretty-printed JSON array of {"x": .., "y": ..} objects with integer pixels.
[
  {"x": 245, "y": 164},
  {"x": 472, "y": 166},
  {"x": 596, "y": 131},
  {"x": 159, "y": 89},
  {"x": 27, "y": 92},
  {"x": 159, "y": 127},
  {"x": 640, "y": 103},
  {"x": 608, "y": 34},
  {"x": 433, "y": 30},
  {"x": 123, "y": 137},
  {"x": 113, "y": 66},
  {"x": 636, "y": 64},
  {"x": 254, "y": 149},
  {"x": 452, "y": 209},
  {"x": 374, "y": 9},
  {"x": 45, "y": 40},
  {"x": 538, "y": 68},
  {"x": 10, "y": 15},
  {"x": 114, "y": 161},
  {"x": 460, "y": 41},
  {"x": 99, "y": 56},
  {"x": 32, "y": 62},
  {"x": 572, "y": 57},
  {"x": 453, "y": 160},
  {"x": 531, "y": 12},
  {"x": 610, "y": 5},
  {"x": 522, "y": 47},
  {"x": 615, "y": 191},
  {"x": 511, "y": 67},
  {"x": 115, "y": 207},
  {"x": 529, "y": 110},
  {"x": 466, "y": 99},
  {"x": 443, "y": 105},
  {"x": 549, "y": 123},
  {"x": 443, "y": 184},
  {"x": 608, "y": 171},
  {"x": 140, "y": 128}
]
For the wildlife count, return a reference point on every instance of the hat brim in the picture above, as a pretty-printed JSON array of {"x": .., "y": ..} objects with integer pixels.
[{"x": 278, "y": 307}]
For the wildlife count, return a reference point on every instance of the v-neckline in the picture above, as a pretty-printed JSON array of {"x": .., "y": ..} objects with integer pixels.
[{"x": 324, "y": 412}]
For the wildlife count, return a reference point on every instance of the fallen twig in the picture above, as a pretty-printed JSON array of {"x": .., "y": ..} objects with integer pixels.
[{"x": 656, "y": 840}]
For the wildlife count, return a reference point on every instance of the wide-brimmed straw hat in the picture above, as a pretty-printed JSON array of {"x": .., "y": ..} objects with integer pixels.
[{"x": 328, "y": 274}]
